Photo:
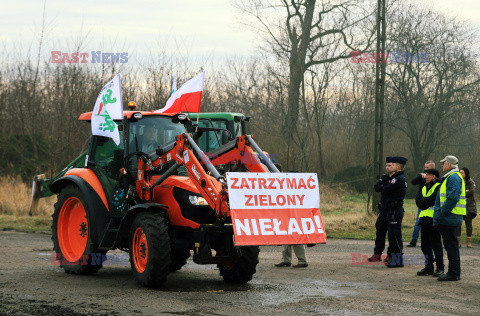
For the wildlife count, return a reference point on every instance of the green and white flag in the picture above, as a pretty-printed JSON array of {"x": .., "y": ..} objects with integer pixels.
[{"x": 108, "y": 108}]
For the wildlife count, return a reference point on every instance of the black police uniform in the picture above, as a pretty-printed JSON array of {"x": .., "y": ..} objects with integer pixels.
[{"x": 392, "y": 189}]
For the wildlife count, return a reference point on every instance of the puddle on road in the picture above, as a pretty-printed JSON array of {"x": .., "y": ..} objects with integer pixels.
[{"x": 269, "y": 293}]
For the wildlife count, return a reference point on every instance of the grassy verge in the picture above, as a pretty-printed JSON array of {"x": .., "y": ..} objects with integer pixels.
[
  {"x": 343, "y": 213},
  {"x": 344, "y": 216},
  {"x": 25, "y": 223},
  {"x": 348, "y": 218}
]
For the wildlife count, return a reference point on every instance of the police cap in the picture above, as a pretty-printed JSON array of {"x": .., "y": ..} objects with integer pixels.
[{"x": 397, "y": 159}]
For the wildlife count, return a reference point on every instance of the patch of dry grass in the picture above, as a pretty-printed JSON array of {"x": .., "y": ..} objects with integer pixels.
[
  {"x": 344, "y": 214},
  {"x": 15, "y": 199},
  {"x": 15, "y": 202}
]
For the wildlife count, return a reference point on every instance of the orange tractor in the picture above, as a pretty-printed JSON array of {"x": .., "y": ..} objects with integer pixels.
[{"x": 156, "y": 195}]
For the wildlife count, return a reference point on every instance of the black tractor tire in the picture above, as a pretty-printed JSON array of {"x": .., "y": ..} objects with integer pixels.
[
  {"x": 243, "y": 268},
  {"x": 71, "y": 202},
  {"x": 178, "y": 258},
  {"x": 150, "y": 249}
]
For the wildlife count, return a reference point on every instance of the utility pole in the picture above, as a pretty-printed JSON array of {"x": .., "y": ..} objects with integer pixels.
[{"x": 379, "y": 98}]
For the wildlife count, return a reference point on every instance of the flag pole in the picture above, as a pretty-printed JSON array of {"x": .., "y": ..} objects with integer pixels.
[{"x": 198, "y": 118}]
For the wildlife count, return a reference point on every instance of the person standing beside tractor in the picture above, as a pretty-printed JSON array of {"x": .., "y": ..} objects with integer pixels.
[
  {"x": 450, "y": 206},
  {"x": 392, "y": 187},
  {"x": 471, "y": 207},
  {"x": 287, "y": 256},
  {"x": 419, "y": 180},
  {"x": 431, "y": 240},
  {"x": 287, "y": 249}
]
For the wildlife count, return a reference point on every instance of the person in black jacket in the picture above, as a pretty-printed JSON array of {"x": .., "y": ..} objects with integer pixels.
[
  {"x": 431, "y": 240},
  {"x": 392, "y": 187},
  {"x": 419, "y": 180}
]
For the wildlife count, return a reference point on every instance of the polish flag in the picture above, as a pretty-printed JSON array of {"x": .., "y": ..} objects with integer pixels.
[{"x": 186, "y": 99}]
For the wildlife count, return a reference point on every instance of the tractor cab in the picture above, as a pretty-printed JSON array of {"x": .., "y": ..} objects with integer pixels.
[
  {"x": 141, "y": 133},
  {"x": 218, "y": 128}
]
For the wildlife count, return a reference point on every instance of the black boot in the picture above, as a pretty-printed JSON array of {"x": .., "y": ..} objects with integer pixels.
[
  {"x": 426, "y": 271},
  {"x": 447, "y": 277},
  {"x": 396, "y": 262},
  {"x": 413, "y": 243}
]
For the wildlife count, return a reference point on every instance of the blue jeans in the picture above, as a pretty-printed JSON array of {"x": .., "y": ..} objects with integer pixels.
[{"x": 416, "y": 228}]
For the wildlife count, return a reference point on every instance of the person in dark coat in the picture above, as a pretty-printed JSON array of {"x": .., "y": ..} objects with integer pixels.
[
  {"x": 431, "y": 239},
  {"x": 392, "y": 187},
  {"x": 471, "y": 207}
]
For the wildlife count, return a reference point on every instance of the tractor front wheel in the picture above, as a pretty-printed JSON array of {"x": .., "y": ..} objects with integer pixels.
[
  {"x": 71, "y": 234},
  {"x": 243, "y": 267},
  {"x": 150, "y": 249}
]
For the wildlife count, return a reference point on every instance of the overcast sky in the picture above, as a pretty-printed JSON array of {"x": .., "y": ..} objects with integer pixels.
[{"x": 208, "y": 28}]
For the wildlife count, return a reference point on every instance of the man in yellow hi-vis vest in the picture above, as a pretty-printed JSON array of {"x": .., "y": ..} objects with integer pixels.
[{"x": 450, "y": 206}]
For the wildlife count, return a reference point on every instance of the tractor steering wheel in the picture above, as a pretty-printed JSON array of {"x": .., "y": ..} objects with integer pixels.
[{"x": 145, "y": 157}]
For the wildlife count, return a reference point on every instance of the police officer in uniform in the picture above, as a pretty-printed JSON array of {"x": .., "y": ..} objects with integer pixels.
[{"x": 392, "y": 187}]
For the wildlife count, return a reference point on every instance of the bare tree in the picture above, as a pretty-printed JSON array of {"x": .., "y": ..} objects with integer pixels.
[
  {"x": 300, "y": 32},
  {"x": 433, "y": 74}
]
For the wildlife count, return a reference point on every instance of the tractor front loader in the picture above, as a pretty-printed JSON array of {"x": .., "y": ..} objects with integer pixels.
[{"x": 158, "y": 204}]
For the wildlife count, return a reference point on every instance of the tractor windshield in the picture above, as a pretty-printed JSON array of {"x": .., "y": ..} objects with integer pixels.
[
  {"x": 149, "y": 132},
  {"x": 211, "y": 140}
]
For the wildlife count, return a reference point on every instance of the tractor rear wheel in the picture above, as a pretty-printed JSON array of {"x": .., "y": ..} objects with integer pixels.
[
  {"x": 243, "y": 267},
  {"x": 150, "y": 249},
  {"x": 71, "y": 234}
]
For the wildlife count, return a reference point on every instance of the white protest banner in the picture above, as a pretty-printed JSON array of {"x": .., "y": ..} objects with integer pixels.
[
  {"x": 275, "y": 208},
  {"x": 108, "y": 107}
]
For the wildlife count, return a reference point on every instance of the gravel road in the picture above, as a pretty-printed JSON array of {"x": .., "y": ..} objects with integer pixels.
[{"x": 31, "y": 285}]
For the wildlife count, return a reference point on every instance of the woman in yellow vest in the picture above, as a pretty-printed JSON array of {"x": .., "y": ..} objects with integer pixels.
[
  {"x": 431, "y": 240},
  {"x": 450, "y": 207}
]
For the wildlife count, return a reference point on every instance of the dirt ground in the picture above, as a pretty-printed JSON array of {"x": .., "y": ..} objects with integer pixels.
[{"x": 31, "y": 285}]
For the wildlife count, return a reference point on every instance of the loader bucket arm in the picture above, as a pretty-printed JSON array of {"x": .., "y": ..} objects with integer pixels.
[
  {"x": 240, "y": 151},
  {"x": 184, "y": 151}
]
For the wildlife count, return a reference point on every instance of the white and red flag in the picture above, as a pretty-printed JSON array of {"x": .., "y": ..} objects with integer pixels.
[
  {"x": 108, "y": 108},
  {"x": 275, "y": 208},
  {"x": 186, "y": 99}
]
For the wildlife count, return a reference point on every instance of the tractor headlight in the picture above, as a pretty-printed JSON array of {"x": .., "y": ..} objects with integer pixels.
[{"x": 197, "y": 200}]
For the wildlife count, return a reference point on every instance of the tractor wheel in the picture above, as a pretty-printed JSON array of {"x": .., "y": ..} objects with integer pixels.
[
  {"x": 178, "y": 258},
  {"x": 71, "y": 234},
  {"x": 243, "y": 268},
  {"x": 150, "y": 249}
]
